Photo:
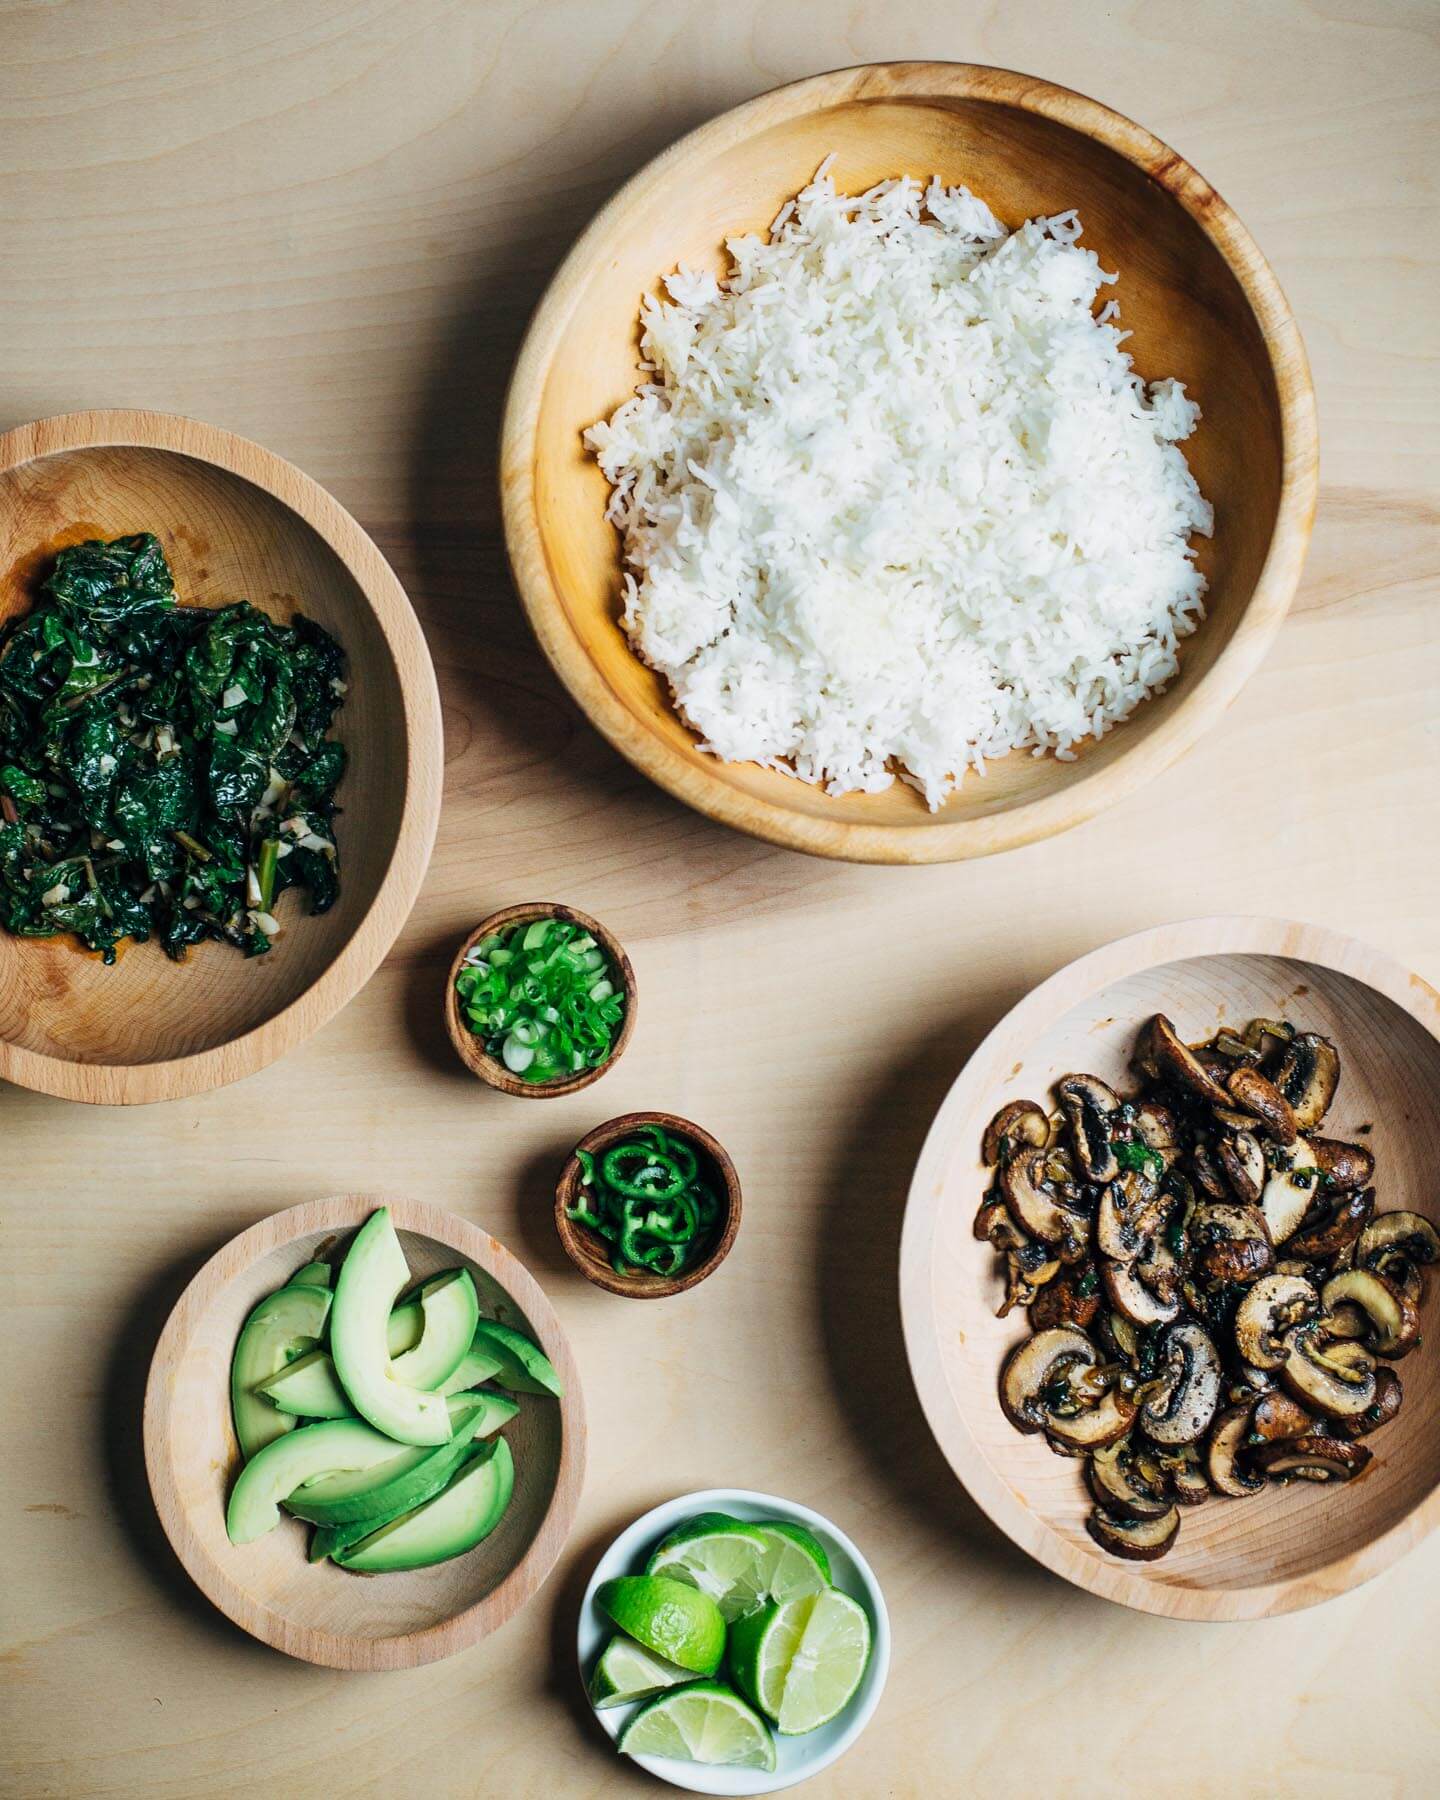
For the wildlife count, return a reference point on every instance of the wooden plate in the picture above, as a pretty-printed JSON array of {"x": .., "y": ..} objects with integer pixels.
[
  {"x": 316, "y": 1611},
  {"x": 1195, "y": 291},
  {"x": 1235, "y": 1559},
  {"x": 236, "y": 523}
]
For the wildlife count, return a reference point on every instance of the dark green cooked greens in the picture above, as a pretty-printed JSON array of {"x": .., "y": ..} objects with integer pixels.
[{"x": 164, "y": 769}]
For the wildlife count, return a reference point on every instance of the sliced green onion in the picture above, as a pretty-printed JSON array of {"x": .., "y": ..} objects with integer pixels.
[{"x": 545, "y": 987}]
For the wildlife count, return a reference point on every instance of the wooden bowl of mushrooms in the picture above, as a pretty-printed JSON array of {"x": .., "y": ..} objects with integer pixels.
[{"x": 1165, "y": 1269}]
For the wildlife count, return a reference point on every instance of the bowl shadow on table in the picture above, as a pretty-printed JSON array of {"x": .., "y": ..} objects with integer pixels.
[{"x": 857, "y": 1258}]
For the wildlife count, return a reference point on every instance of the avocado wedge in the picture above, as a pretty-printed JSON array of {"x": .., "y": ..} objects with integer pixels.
[
  {"x": 456, "y": 1520},
  {"x": 277, "y": 1470},
  {"x": 475, "y": 1366},
  {"x": 285, "y": 1325},
  {"x": 524, "y": 1366},
  {"x": 308, "y": 1389},
  {"x": 371, "y": 1276},
  {"x": 452, "y": 1311},
  {"x": 314, "y": 1274}
]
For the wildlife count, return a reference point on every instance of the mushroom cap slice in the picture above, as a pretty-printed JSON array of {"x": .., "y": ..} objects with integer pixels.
[
  {"x": 1323, "y": 1239},
  {"x": 1177, "y": 1063},
  {"x": 1119, "y": 1485},
  {"x": 1230, "y": 1243},
  {"x": 1033, "y": 1365},
  {"x": 1094, "y": 1427},
  {"x": 1187, "y": 1394},
  {"x": 1290, "y": 1188},
  {"x": 1072, "y": 1297},
  {"x": 1137, "y": 1540},
  {"x": 1134, "y": 1299},
  {"x": 1267, "y": 1312},
  {"x": 1312, "y": 1459},
  {"x": 1325, "y": 1373},
  {"x": 1409, "y": 1234},
  {"x": 1229, "y": 1435},
  {"x": 1343, "y": 1165},
  {"x": 1018, "y": 1123},
  {"x": 1308, "y": 1076},
  {"x": 1394, "y": 1318},
  {"x": 1035, "y": 1206},
  {"x": 1243, "y": 1161},
  {"x": 1187, "y": 1475},
  {"x": 1254, "y": 1094},
  {"x": 1276, "y": 1416},
  {"x": 1129, "y": 1214},
  {"x": 1089, "y": 1106},
  {"x": 1157, "y": 1127},
  {"x": 1389, "y": 1396}
]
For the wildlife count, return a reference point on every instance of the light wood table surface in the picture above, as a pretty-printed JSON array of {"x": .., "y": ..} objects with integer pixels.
[{"x": 322, "y": 223}]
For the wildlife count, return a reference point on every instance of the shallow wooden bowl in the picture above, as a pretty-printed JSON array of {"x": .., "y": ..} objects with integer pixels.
[
  {"x": 236, "y": 523},
  {"x": 316, "y": 1611},
  {"x": 588, "y": 1250},
  {"x": 1235, "y": 1559},
  {"x": 471, "y": 1050},
  {"x": 1195, "y": 291}
]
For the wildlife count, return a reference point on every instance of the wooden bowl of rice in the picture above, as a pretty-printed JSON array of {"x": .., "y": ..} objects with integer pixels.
[{"x": 1199, "y": 303}]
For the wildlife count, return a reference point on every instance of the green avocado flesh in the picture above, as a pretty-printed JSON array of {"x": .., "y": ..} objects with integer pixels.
[
  {"x": 451, "y": 1312},
  {"x": 371, "y": 1276},
  {"x": 475, "y": 1366},
  {"x": 285, "y": 1325},
  {"x": 455, "y": 1521},
  {"x": 408, "y": 1477},
  {"x": 308, "y": 1389},
  {"x": 276, "y": 1471},
  {"x": 524, "y": 1367},
  {"x": 314, "y": 1274}
]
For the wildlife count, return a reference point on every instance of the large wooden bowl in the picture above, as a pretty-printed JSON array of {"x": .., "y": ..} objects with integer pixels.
[
  {"x": 314, "y": 1610},
  {"x": 1198, "y": 296},
  {"x": 1235, "y": 1559},
  {"x": 236, "y": 523}
]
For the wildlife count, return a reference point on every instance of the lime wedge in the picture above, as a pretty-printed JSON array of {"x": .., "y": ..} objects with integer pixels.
[
  {"x": 801, "y": 1661},
  {"x": 670, "y": 1618},
  {"x": 702, "y": 1723},
  {"x": 741, "y": 1566},
  {"x": 627, "y": 1672}
]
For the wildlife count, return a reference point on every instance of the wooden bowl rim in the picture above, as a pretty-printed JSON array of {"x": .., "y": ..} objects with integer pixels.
[
  {"x": 357, "y": 959},
  {"x": 1185, "y": 940},
  {"x": 345, "y": 1213},
  {"x": 489, "y": 1068},
  {"x": 694, "y": 778},
  {"x": 647, "y": 1287}
]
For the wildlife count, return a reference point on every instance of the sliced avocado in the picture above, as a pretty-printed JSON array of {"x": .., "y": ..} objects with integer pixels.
[
  {"x": 456, "y": 1520},
  {"x": 277, "y": 1470},
  {"x": 475, "y": 1366},
  {"x": 314, "y": 1274},
  {"x": 308, "y": 1388},
  {"x": 371, "y": 1276},
  {"x": 451, "y": 1311},
  {"x": 410, "y": 1477},
  {"x": 285, "y": 1325},
  {"x": 524, "y": 1366},
  {"x": 403, "y": 1331}
]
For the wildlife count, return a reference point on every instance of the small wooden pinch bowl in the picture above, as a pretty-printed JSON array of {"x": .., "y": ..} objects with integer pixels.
[
  {"x": 589, "y": 1251},
  {"x": 236, "y": 523},
  {"x": 471, "y": 1049},
  {"x": 1283, "y": 1548},
  {"x": 1195, "y": 292},
  {"x": 316, "y": 1611}
]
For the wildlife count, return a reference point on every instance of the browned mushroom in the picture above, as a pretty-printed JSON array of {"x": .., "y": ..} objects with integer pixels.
[
  {"x": 1243, "y": 1162},
  {"x": 1229, "y": 1244},
  {"x": 1261, "y": 1099},
  {"x": 1209, "y": 1172},
  {"x": 1072, "y": 1298},
  {"x": 1290, "y": 1188},
  {"x": 1137, "y": 1540},
  {"x": 1389, "y": 1395},
  {"x": 1267, "y": 1313},
  {"x": 1037, "y": 1206},
  {"x": 1324, "y": 1374},
  {"x": 1176, "y": 1062},
  {"x": 1185, "y": 1473},
  {"x": 1090, "y": 1107},
  {"x": 1343, "y": 1165},
  {"x": 1019, "y": 1124},
  {"x": 1229, "y": 1435},
  {"x": 1128, "y": 1216},
  {"x": 1121, "y": 1485},
  {"x": 1092, "y": 1427},
  {"x": 1187, "y": 1390},
  {"x": 1312, "y": 1459},
  {"x": 1398, "y": 1243},
  {"x": 1134, "y": 1299},
  {"x": 1029, "y": 1265},
  {"x": 1275, "y": 1416},
  {"x": 1394, "y": 1320},
  {"x": 1326, "y": 1236},
  {"x": 1036, "y": 1367},
  {"x": 1158, "y": 1129},
  {"x": 1308, "y": 1076}
]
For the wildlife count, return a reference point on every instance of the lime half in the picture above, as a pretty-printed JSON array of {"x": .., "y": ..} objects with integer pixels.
[
  {"x": 627, "y": 1671},
  {"x": 741, "y": 1566},
  {"x": 801, "y": 1661},
  {"x": 670, "y": 1618},
  {"x": 702, "y": 1723}
]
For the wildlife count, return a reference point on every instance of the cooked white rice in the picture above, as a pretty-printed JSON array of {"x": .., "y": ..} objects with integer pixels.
[{"x": 894, "y": 501}]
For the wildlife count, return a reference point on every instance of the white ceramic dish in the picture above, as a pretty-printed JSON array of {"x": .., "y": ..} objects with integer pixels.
[{"x": 798, "y": 1757}]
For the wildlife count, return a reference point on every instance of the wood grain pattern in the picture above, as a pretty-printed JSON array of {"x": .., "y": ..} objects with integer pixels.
[
  {"x": 316, "y": 1611},
  {"x": 1197, "y": 297},
  {"x": 237, "y": 523},
  {"x": 591, "y": 1254},
  {"x": 324, "y": 226},
  {"x": 1288, "y": 1547}
]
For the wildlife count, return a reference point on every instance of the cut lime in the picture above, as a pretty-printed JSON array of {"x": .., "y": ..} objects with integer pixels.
[
  {"x": 671, "y": 1618},
  {"x": 801, "y": 1661},
  {"x": 741, "y": 1566},
  {"x": 702, "y": 1723},
  {"x": 626, "y": 1671}
]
